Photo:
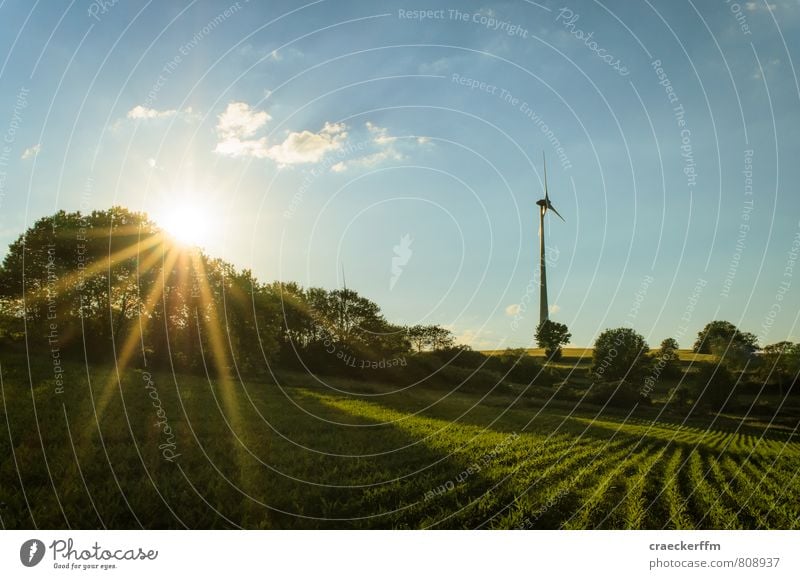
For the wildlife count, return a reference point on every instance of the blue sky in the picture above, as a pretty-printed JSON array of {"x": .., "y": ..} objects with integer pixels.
[{"x": 403, "y": 142}]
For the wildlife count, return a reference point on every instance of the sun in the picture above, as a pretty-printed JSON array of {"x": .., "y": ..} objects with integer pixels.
[{"x": 188, "y": 222}]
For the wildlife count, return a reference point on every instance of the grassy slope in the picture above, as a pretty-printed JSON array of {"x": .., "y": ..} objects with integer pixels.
[{"x": 305, "y": 455}]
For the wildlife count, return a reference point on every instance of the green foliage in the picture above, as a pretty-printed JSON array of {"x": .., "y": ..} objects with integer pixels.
[
  {"x": 620, "y": 394},
  {"x": 780, "y": 364},
  {"x": 551, "y": 336},
  {"x": 713, "y": 384},
  {"x": 109, "y": 285},
  {"x": 619, "y": 354},
  {"x": 666, "y": 363},
  {"x": 719, "y": 337},
  {"x": 518, "y": 366},
  {"x": 680, "y": 395},
  {"x": 430, "y": 338}
]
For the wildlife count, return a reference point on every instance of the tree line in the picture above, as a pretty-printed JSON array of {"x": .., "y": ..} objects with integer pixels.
[
  {"x": 627, "y": 372},
  {"x": 110, "y": 285}
]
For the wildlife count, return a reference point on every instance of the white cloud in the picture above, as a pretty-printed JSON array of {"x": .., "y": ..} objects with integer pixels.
[
  {"x": 140, "y": 112},
  {"x": 381, "y": 134},
  {"x": 368, "y": 160},
  {"x": 308, "y": 147},
  {"x": 769, "y": 67},
  {"x": 436, "y": 67},
  {"x": 240, "y": 120},
  {"x": 251, "y": 52},
  {"x": 512, "y": 310},
  {"x": 235, "y": 127},
  {"x": 383, "y": 141},
  {"x": 238, "y": 125},
  {"x": 235, "y": 147},
  {"x": 754, "y": 6},
  {"x": 31, "y": 152}
]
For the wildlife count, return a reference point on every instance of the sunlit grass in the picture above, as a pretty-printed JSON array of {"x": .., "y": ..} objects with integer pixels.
[{"x": 306, "y": 457}]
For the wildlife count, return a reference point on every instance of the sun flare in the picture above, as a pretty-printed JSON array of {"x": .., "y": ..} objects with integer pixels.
[{"x": 188, "y": 223}]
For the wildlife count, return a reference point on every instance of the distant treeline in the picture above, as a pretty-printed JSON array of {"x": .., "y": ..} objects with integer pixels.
[{"x": 111, "y": 285}]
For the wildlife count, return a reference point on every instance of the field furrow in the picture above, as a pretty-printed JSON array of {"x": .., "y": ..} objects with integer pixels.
[
  {"x": 668, "y": 505},
  {"x": 558, "y": 487},
  {"x": 709, "y": 513},
  {"x": 751, "y": 497},
  {"x": 599, "y": 498}
]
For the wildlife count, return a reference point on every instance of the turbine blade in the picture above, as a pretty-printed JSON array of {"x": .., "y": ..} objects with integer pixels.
[
  {"x": 553, "y": 209},
  {"x": 546, "y": 196}
]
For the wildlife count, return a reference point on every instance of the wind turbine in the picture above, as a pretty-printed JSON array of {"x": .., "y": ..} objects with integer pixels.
[{"x": 544, "y": 205}]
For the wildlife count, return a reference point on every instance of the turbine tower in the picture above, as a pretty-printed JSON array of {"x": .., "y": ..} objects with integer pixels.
[{"x": 544, "y": 205}]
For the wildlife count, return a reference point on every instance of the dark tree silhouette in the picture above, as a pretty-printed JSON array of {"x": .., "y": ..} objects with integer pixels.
[
  {"x": 666, "y": 361},
  {"x": 619, "y": 353},
  {"x": 723, "y": 335},
  {"x": 551, "y": 336}
]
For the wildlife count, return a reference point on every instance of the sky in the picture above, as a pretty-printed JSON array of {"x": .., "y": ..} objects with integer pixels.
[{"x": 400, "y": 145}]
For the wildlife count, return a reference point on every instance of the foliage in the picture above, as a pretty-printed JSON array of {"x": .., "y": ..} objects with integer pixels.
[
  {"x": 551, "y": 336},
  {"x": 619, "y": 394},
  {"x": 110, "y": 285},
  {"x": 713, "y": 384},
  {"x": 679, "y": 395},
  {"x": 666, "y": 362},
  {"x": 431, "y": 338},
  {"x": 518, "y": 366},
  {"x": 780, "y": 364},
  {"x": 619, "y": 354},
  {"x": 718, "y": 337}
]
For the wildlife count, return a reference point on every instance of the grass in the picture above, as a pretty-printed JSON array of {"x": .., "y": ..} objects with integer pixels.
[{"x": 307, "y": 455}]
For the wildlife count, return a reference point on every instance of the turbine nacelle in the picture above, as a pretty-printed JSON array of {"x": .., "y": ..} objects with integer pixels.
[{"x": 545, "y": 203}]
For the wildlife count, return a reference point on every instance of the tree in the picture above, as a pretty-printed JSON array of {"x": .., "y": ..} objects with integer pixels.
[
  {"x": 433, "y": 338},
  {"x": 441, "y": 338},
  {"x": 721, "y": 335},
  {"x": 713, "y": 384},
  {"x": 551, "y": 336},
  {"x": 78, "y": 280},
  {"x": 619, "y": 354},
  {"x": 666, "y": 360},
  {"x": 781, "y": 364},
  {"x": 418, "y": 336}
]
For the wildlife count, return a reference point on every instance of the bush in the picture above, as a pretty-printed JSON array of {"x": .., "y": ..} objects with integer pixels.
[
  {"x": 619, "y": 354},
  {"x": 679, "y": 396},
  {"x": 621, "y": 394},
  {"x": 466, "y": 380},
  {"x": 517, "y": 365},
  {"x": 713, "y": 384}
]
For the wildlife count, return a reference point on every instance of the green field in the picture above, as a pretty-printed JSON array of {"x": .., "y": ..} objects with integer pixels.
[{"x": 343, "y": 454}]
